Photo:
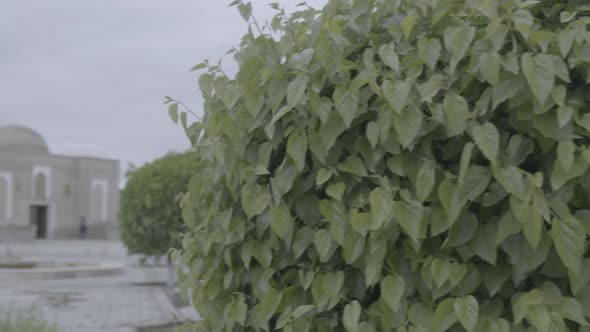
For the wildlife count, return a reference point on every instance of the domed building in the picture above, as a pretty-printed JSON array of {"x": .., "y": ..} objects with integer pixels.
[{"x": 43, "y": 195}]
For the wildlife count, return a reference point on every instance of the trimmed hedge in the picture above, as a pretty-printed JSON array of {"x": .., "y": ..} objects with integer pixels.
[{"x": 149, "y": 215}]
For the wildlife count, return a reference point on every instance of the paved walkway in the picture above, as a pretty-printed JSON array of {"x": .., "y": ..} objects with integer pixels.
[{"x": 96, "y": 304}]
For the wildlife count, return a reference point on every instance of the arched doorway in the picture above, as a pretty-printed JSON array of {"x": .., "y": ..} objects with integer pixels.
[
  {"x": 3, "y": 198},
  {"x": 40, "y": 193},
  {"x": 39, "y": 209}
]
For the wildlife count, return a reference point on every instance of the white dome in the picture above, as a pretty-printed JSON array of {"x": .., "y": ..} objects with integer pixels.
[{"x": 22, "y": 139}]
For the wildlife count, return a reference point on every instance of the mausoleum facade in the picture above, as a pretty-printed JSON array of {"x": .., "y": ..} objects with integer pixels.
[{"x": 43, "y": 195}]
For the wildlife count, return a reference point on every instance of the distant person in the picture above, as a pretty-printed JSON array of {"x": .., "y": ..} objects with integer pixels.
[{"x": 83, "y": 228}]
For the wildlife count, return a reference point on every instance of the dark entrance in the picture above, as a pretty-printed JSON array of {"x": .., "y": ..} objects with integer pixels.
[{"x": 39, "y": 218}]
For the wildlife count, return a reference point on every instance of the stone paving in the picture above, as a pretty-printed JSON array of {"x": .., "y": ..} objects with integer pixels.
[{"x": 96, "y": 304}]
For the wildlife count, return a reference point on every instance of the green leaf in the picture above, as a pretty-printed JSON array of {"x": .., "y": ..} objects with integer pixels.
[
  {"x": 425, "y": 180},
  {"x": 396, "y": 94},
  {"x": 336, "y": 190},
  {"x": 559, "y": 176},
  {"x": 456, "y": 112},
  {"x": 392, "y": 291},
  {"x": 571, "y": 309},
  {"x": 561, "y": 69},
  {"x": 407, "y": 25},
  {"x": 487, "y": 139},
  {"x": 373, "y": 133},
  {"x": 297, "y": 149},
  {"x": 351, "y": 316},
  {"x": 381, "y": 207},
  {"x": 268, "y": 305},
  {"x": 438, "y": 222},
  {"x": 281, "y": 221},
  {"x": 539, "y": 317},
  {"x": 566, "y": 16},
  {"x": 199, "y": 66},
  {"x": 240, "y": 310},
  {"x": 429, "y": 89},
  {"x": 429, "y": 51},
  {"x": 332, "y": 284},
  {"x": 539, "y": 71},
  {"x": 173, "y": 112},
  {"x": 569, "y": 239},
  {"x": 498, "y": 325},
  {"x": 352, "y": 247},
  {"x": 302, "y": 310},
  {"x": 361, "y": 222},
  {"x": 558, "y": 94},
  {"x": 255, "y": 199},
  {"x": 388, "y": 56},
  {"x": 512, "y": 180},
  {"x": 467, "y": 311},
  {"x": 296, "y": 91},
  {"x": 444, "y": 316},
  {"x": 484, "y": 244},
  {"x": 322, "y": 107},
  {"x": 229, "y": 94},
  {"x": 507, "y": 226},
  {"x": 301, "y": 60},
  {"x": 278, "y": 115},
  {"x": 346, "y": 101},
  {"x": 465, "y": 160},
  {"x": 323, "y": 175},
  {"x": 303, "y": 238},
  {"x": 331, "y": 130},
  {"x": 523, "y": 20},
  {"x": 475, "y": 183},
  {"x": 566, "y": 154},
  {"x": 441, "y": 270},
  {"x": 519, "y": 309},
  {"x": 451, "y": 199},
  {"x": 457, "y": 40},
  {"x": 407, "y": 125},
  {"x": 565, "y": 40},
  {"x": 495, "y": 277},
  {"x": 353, "y": 165},
  {"x": 564, "y": 115},
  {"x": 324, "y": 243},
  {"x": 462, "y": 231},
  {"x": 409, "y": 216},
  {"x": 283, "y": 180},
  {"x": 283, "y": 318},
  {"x": 530, "y": 219},
  {"x": 206, "y": 84},
  {"x": 489, "y": 8},
  {"x": 245, "y": 10},
  {"x": 506, "y": 88},
  {"x": 489, "y": 66}
]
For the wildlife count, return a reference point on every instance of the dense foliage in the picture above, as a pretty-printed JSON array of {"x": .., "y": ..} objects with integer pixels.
[
  {"x": 408, "y": 165},
  {"x": 149, "y": 215}
]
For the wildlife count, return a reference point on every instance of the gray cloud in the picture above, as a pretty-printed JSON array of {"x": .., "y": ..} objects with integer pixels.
[{"x": 90, "y": 75}]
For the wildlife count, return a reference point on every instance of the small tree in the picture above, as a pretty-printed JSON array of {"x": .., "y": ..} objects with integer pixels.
[
  {"x": 149, "y": 215},
  {"x": 397, "y": 165}
]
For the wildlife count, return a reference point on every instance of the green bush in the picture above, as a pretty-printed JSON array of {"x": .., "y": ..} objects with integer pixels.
[
  {"x": 407, "y": 165},
  {"x": 150, "y": 218},
  {"x": 24, "y": 321}
]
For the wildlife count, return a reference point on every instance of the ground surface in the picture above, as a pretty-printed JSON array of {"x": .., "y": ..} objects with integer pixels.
[{"x": 92, "y": 304}]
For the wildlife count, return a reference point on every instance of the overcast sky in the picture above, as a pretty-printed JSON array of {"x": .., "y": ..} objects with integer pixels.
[{"x": 91, "y": 75}]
